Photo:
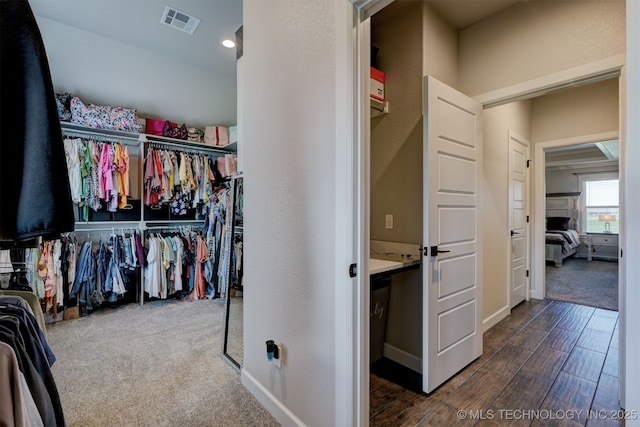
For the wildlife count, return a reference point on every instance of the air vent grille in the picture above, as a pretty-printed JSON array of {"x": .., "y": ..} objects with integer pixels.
[{"x": 179, "y": 20}]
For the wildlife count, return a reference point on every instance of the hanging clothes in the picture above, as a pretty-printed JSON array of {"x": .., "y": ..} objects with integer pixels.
[
  {"x": 98, "y": 174},
  {"x": 175, "y": 265},
  {"x": 34, "y": 184},
  {"x": 28, "y": 389}
]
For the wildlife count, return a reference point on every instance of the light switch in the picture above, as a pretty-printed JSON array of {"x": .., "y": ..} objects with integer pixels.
[{"x": 388, "y": 221}]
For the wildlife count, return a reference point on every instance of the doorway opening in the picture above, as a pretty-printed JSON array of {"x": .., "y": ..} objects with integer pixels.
[
  {"x": 582, "y": 184},
  {"x": 409, "y": 132}
]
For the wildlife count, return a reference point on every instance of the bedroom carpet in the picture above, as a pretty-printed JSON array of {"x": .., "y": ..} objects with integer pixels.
[
  {"x": 156, "y": 365},
  {"x": 593, "y": 283}
]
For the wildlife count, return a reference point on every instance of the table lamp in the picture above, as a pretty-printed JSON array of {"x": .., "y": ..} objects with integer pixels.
[{"x": 607, "y": 218}]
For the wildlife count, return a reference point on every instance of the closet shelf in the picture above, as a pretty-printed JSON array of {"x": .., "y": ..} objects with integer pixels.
[
  {"x": 73, "y": 129},
  {"x": 132, "y": 138},
  {"x": 378, "y": 108}
]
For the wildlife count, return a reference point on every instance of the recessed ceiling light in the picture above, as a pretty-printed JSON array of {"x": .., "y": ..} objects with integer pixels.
[{"x": 228, "y": 43}]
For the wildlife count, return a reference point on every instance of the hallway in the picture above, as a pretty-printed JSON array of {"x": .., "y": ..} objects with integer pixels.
[{"x": 548, "y": 363}]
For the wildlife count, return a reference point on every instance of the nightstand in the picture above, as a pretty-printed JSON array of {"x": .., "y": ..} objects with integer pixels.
[{"x": 604, "y": 246}]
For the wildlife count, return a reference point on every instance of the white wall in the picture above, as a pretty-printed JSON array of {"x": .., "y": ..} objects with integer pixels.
[
  {"x": 289, "y": 166},
  {"x": 538, "y": 38},
  {"x": 106, "y": 72},
  {"x": 497, "y": 122}
]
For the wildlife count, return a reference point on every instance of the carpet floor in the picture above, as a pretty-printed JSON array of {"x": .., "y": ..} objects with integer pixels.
[
  {"x": 156, "y": 365},
  {"x": 593, "y": 283}
]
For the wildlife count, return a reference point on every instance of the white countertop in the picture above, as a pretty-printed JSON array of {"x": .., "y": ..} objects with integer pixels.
[
  {"x": 377, "y": 265},
  {"x": 389, "y": 256}
]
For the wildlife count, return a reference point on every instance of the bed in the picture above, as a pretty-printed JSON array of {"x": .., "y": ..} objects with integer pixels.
[{"x": 562, "y": 238}]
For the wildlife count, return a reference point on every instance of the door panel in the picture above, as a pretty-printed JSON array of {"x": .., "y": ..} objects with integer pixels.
[
  {"x": 452, "y": 282},
  {"x": 449, "y": 326},
  {"x": 456, "y": 275},
  {"x": 455, "y": 175},
  {"x": 518, "y": 206},
  {"x": 456, "y": 225}
]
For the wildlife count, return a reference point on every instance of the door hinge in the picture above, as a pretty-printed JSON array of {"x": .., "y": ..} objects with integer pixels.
[
  {"x": 528, "y": 163},
  {"x": 527, "y": 218},
  {"x": 527, "y": 273},
  {"x": 353, "y": 270}
]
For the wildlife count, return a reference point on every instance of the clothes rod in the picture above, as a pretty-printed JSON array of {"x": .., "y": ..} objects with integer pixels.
[
  {"x": 89, "y": 230},
  {"x": 187, "y": 149},
  {"x": 100, "y": 137}
]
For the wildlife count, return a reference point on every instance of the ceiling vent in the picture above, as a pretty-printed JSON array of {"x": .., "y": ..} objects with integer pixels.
[{"x": 179, "y": 20}]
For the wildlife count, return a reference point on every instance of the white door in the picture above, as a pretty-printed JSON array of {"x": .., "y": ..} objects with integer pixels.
[
  {"x": 452, "y": 268},
  {"x": 518, "y": 218}
]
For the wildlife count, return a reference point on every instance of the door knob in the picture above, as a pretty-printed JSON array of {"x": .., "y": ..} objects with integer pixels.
[
  {"x": 434, "y": 251},
  {"x": 513, "y": 233}
]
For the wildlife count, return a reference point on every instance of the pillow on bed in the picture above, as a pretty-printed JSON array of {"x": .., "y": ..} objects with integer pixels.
[{"x": 558, "y": 223}]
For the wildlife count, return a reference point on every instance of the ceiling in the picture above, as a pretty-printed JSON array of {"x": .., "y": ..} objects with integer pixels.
[
  {"x": 137, "y": 23},
  {"x": 583, "y": 155},
  {"x": 461, "y": 14}
]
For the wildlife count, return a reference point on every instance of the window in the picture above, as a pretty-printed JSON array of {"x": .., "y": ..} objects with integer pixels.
[{"x": 601, "y": 203}]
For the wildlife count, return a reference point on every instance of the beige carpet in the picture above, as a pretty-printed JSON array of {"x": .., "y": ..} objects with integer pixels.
[{"x": 157, "y": 365}]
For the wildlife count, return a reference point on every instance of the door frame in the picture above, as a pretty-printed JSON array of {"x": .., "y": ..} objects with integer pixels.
[
  {"x": 539, "y": 201},
  {"x": 356, "y": 410}
]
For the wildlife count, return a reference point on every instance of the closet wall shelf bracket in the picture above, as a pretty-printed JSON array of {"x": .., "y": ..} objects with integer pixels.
[{"x": 378, "y": 108}]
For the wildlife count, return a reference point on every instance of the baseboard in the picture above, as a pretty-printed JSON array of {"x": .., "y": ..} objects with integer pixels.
[
  {"x": 495, "y": 318},
  {"x": 269, "y": 401},
  {"x": 402, "y": 357}
]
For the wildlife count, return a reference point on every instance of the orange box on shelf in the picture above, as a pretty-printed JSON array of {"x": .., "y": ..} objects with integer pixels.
[{"x": 376, "y": 84}]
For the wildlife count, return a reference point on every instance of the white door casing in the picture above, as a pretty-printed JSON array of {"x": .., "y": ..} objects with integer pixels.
[
  {"x": 519, "y": 155},
  {"x": 452, "y": 279}
]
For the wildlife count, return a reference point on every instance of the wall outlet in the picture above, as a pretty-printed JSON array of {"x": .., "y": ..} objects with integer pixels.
[{"x": 388, "y": 221}]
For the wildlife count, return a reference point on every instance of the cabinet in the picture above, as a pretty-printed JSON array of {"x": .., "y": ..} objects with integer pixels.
[{"x": 604, "y": 246}]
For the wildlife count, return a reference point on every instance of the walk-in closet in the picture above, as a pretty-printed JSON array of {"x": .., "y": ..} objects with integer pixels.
[{"x": 125, "y": 285}]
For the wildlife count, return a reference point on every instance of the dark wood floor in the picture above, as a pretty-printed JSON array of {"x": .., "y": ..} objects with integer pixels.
[{"x": 548, "y": 363}]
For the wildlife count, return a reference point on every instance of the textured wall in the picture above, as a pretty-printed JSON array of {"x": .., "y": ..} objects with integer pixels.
[
  {"x": 574, "y": 112},
  {"x": 106, "y": 72},
  {"x": 538, "y": 38},
  {"x": 396, "y": 138},
  {"x": 289, "y": 133},
  {"x": 495, "y": 202}
]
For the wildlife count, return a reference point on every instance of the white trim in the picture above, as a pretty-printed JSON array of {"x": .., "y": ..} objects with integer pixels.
[
  {"x": 363, "y": 123},
  {"x": 583, "y": 74},
  {"x": 402, "y": 357},
  {"x": 539, "y": 201},
  {"x": 345, "y": 320},
  {"x": 276, "y": 408},
  {"x": 630, "y": 204},
  {"x": 495, "y": 318},
  {"x": 368, "y": 8}
]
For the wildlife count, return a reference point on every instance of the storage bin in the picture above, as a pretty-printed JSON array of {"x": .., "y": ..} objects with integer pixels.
[
  {"x": 379, "y": 304},
  {"x": 101, "y": 214},
  {"x": 129, "y": 213},
  {"x": 156, "y": 212}
]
